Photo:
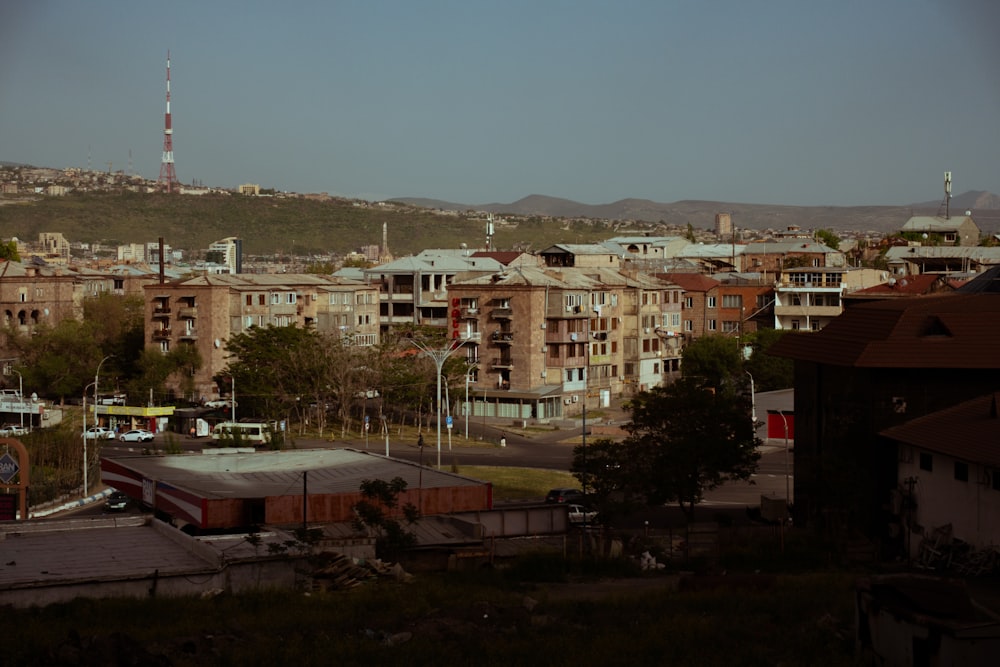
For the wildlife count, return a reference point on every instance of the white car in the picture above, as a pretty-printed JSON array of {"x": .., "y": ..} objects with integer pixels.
[
  {"x": 136, "y": 435},
  {"x": 220, "y": 403},
  {"x": 580, "y": 514},
  {"x": 12, "y": 431},
  {"x": 99, "y": 433}
]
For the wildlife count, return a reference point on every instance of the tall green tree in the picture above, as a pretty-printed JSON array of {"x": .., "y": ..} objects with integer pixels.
[
  {"x": 769, "y": 372},
  {"x": 8, "y": 251},
  {"x": 715, "y": 360},
  {"x": 683, "y": 440},
  {"x": 828, "y": 238}
]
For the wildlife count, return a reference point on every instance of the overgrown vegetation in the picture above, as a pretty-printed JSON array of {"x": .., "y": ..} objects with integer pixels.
[{"x": 481, "y": 619}]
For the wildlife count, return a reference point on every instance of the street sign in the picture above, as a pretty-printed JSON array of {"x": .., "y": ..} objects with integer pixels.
[
  {"x": 8, "y": 468},
  {"x": 448, "y": 422}
]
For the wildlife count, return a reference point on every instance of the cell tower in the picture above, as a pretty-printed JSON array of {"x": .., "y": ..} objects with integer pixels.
[{"x": 167, "y": 175}]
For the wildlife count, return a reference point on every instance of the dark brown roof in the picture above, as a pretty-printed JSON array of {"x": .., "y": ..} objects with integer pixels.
[
  {"x": 969, "y": 431},
  {"x": 955, "y": 330},
  {"x": 505, "y": 257},
  {"x": 690, "y": 282}
]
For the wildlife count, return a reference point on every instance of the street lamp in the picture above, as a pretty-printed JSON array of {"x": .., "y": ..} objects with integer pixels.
[
  {"x": 97, "y": 379},
  {"x": 753, "y": 403},
  {"x": 788, "y": 496},
  {"x": 439, "y": 356},
  {"x": 472, "y": 367},
  {"x": 85, "y": 436}
]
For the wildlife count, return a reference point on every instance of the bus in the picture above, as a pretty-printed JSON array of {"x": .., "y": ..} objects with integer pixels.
[{"x": 248, "y": 433}]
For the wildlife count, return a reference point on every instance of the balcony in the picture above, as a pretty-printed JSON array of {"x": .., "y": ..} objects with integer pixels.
[
  {"x": 502, "y": 363},
  {"x": 188, "y": 335},
  {"x": 501, "y": 313},
  {"x": 470, "y": 313},
  {"x": 188, "y": 313},
  {"x": 502, "y": 337},
  {"x": 469, "y": 335},
  {"x": 807, "y": 311},
  {"x": 161, "y": 312},
  {"x": 161, "y": 334}
]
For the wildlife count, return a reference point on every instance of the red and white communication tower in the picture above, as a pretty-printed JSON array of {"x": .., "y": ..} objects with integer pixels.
[{"x": 168, "y": 178}]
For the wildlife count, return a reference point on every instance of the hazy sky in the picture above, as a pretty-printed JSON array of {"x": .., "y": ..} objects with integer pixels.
[{"x": 825, "y": 102}]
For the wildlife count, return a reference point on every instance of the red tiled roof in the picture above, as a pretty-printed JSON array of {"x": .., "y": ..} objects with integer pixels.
[
  {"x": 690, "y": 282},
  {"x": 969, "y": 431},
  {"x": 505, "y": 257},
  {"x": 955, "y": 330},
  {"x": 908, "y": 286}
]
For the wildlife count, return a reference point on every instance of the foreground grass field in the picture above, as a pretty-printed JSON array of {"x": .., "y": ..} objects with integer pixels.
[{"x": 490, "y": 618}]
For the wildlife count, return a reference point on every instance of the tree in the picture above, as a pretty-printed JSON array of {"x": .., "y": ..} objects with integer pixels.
[
  {"x": 769, "y": 372},
  {"x": 9, "y": 252},
  {"x": 714, "y": 359},
  {"x": 376, "y": 512},
  {"x": 683, "y": 439},
  {"x": 828, "y": 238}
]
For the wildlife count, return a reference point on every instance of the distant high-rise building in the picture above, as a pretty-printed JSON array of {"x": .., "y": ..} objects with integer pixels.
[
  {"x": 230, "y": 253},
  {"x": 723, "y": 225}
]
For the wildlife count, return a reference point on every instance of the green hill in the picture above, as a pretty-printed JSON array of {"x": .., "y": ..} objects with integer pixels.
[{"x": 273, "y": 225}]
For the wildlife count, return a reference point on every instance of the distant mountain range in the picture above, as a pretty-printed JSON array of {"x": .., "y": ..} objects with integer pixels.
[{"x": 985, "y": 208}]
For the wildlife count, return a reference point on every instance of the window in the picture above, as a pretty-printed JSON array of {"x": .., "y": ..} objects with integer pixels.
[
  {"x": 261, "y": 299},
  {"x": 164, "y": 346},
  {"x": 732, "y": 300},
  {"x": 688, "y": 325},
  {"x": 689, "y": 302},
  {"x": 275, "y": 298},
  {"x": 814, "y": 325},
  {"x": 249, "y": 299},
  {"x": 816, "y": 261},
  {"x": 961, "y": 471},
  {"x": 710, "y": 302},
  {"x": 675, "y": 320},
  {"x": 290, "y": 297},
  {"x": 926, "y": 462},
  {"x": 711, "y": 325},
  {"x": 795, "y": 325},
  {"x": 729, "y": 326}
]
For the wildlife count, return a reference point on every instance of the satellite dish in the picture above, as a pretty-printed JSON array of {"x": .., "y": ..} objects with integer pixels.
[{"x": 218, "y": 342}]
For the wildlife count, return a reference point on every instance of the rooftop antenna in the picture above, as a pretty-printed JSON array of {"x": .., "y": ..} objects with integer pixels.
[
  {"x": 489, "y": 232},
  {"x": 946, "y": 203}
]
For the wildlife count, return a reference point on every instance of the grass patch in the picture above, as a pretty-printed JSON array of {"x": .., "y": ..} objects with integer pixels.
[{"x": 519, "y": 483}]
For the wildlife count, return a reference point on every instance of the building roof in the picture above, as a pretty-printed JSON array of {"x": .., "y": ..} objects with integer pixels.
[
  {"x": 956, "y": 330},
  {"x": 969, "y": 431},
  {"x": 785, "y": 247},
  {"x": 429, "y": 263},
  {"x": 711, "y": 250},
  {"x": 935, "y": 223},
  {"x": 691, "y": 282},
  {"x": 983, "y": 255},
  {"x": 267, "y": 474},
  {"x": 908, "y": 286}
]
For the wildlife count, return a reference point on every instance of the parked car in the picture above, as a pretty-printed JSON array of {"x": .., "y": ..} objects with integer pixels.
[
  {"x": 564, "y": 496},
  {"x": 581, "y": 514},
  {"x": 220, "y": 403},
  {"x": 116, "y": 502},
  {"x": 136, "y": 435},
  {"x": 99, "y": 433},
  {"x": 12, "y": 431}
]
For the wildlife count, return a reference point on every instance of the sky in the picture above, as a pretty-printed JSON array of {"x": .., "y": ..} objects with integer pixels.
[{"x": 820, "y": 103}]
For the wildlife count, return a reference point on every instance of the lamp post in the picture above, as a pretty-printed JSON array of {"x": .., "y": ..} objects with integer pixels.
[
  {"x": 20, "y": 395},
  {"x": 85, "y": 437},
  {"x": 784, "y": 421},
  {"x": 472, "y": 367},
  {"x": 97, "y": 379},
  {"x": 439, "y": 356},
  {"x": 753, "y": 403}
]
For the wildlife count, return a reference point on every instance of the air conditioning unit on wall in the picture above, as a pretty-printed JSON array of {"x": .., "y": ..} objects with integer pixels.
[{"x": 576, "y": 399}]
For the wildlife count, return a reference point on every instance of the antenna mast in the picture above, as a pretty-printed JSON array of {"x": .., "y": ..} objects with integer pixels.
[{"x": 167, "y": 175}]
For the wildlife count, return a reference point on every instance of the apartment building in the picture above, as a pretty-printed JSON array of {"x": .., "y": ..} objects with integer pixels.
[
  {"x": 414, "y": 290},
  {"x": 770, "y": 258},
  {"x": 940, "y": 230},
  {"x": 548, "y": 340},
  {"x": 33, "y": 293},
  {"x": 810, "y": 298},
  {"x": 207, "y": 310}
]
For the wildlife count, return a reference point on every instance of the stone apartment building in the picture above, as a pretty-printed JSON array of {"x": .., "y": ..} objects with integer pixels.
[
  {"x": 205, "y": 311},
  {"x": 770, "y": 258},
  {"x": 547, "y": 340},
  {"x": 35, "y": 293}
]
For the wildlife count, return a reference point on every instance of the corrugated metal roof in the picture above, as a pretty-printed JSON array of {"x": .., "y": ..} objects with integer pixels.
[
  {"x": 263, "y": 474},
  {"x": 969, "y": 431}
]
